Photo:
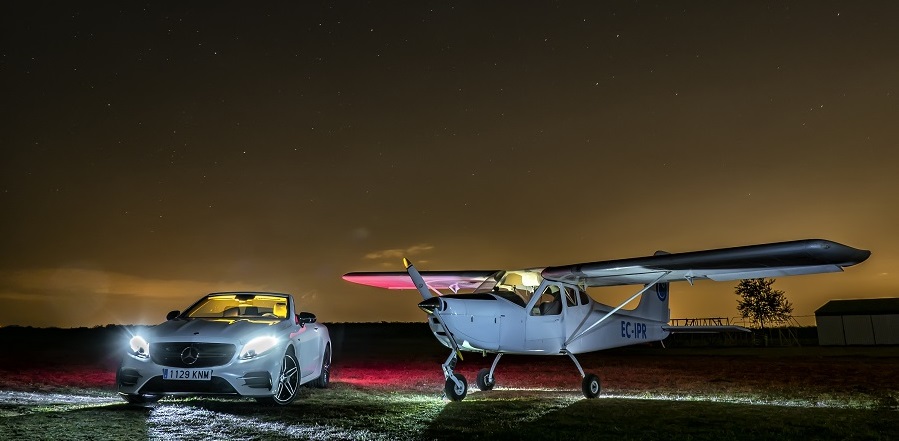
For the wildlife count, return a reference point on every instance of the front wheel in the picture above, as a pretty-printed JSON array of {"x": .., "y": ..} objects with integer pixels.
[
  {"x": 590, "y": 386},
  {"x": 484, "y": 381},
  {"x": 453, "y": 391},
  {"x": 288, "y": 382}
]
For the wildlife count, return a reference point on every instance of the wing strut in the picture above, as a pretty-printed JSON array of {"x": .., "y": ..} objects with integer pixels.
[{"x": 609, "y": 314}]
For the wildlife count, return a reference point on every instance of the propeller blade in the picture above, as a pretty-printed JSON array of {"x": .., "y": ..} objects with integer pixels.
[
  {"x": 430, "y": 304},
  {"x": 417, "y": 279}
]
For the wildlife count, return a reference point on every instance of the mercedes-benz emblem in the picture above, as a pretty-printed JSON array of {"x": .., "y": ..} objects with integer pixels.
[{"x": 190, "y": 355}]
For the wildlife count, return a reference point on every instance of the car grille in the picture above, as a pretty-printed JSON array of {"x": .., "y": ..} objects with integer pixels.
[{"x": 208, "y": 354}]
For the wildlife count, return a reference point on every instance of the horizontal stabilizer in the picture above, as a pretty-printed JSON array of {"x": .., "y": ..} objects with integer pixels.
[{"x": 704, "y": 329}]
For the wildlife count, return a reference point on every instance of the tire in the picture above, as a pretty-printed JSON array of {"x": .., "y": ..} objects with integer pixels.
[
  {"x": 138, "y": 399},
  {"x": 325, "y": 378},
  {"x": 482, "y": 380},
  {"x": 288, "y": 383},
  {"x": 453, "y": 392},
  {"x": 590, "y": 386}
]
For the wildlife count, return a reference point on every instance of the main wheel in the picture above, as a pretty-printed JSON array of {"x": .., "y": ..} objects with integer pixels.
[
  {"x": 140, "y": 399},
  {"x": 484, "y": 381},
  {"x": 325, "y": 378},
  {"x": 288, "y": 382},
  {"x": 590, "y": 386},
  {"x": 453, "y": 391}
]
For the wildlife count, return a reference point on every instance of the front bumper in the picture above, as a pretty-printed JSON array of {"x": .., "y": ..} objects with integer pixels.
[{"x": 256, "y": 377}]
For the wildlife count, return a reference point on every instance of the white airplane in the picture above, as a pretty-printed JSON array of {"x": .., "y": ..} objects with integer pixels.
[{"x": 546, "y": 311}]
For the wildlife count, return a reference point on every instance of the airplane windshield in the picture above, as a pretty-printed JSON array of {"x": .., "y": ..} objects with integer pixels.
[{"x": 515, "y": 286}]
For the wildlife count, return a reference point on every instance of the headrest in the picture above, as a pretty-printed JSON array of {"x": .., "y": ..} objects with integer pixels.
[
  {"x": 513, "y": 279},
  {"x": 280, "y": 310}
]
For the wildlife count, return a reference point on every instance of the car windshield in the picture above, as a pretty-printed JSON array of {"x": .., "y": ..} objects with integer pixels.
[{"x": 239, "y": 306}]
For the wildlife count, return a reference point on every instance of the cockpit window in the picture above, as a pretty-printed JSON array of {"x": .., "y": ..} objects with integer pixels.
[
  {"x": 550, "y": 302},
  {"x": 515, "y": 286},
  {"x": 570, "y": 296}
]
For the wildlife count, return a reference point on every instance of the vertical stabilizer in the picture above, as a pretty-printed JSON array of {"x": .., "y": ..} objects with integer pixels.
[{"x": 654, "y": 304}]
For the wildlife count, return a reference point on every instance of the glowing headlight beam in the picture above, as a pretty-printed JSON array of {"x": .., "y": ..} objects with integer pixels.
[{"x": 258, "y": 346}]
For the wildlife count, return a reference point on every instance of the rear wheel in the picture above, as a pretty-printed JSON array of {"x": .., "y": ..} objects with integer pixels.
[
  {"x": 288, "y": 384},
  {"x": 325, "y": 378},
  {"x": 456, "y": 392},
  {"x": 484, "y": 381}
]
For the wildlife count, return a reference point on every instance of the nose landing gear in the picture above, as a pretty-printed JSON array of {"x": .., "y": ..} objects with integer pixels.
[{"x": 456, "y": 387}]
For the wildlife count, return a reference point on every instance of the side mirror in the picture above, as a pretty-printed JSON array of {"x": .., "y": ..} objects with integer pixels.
[
  {"x": 172, "y": 315},
  {"x": 305, "y": 317}
]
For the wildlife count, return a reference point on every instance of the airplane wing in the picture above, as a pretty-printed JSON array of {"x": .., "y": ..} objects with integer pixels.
[
  {"x": 748, "y": 262},
  {"x": 453, "y": 280}
]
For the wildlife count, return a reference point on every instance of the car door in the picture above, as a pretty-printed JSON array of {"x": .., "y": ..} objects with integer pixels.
[{"x": 306, "y": 340}]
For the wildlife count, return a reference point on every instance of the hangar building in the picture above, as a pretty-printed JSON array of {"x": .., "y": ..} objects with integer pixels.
[{"x": 859, "y": 322}]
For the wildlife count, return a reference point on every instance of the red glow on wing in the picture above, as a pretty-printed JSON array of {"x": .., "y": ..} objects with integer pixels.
[
  {"x": 388, "y": 281},
  {"x": 454, "y": 280}
]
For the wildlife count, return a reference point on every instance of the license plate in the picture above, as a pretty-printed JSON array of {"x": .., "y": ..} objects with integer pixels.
[{"x": 186, "y": 374}]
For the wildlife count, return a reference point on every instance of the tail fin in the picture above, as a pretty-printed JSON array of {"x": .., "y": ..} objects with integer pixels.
[{"x": 654, "y": 304}]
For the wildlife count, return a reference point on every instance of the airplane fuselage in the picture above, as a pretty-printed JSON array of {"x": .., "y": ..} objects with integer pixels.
[{"x": 493, "y": 323}]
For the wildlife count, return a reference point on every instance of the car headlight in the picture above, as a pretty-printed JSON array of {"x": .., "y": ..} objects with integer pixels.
[
  {"x": 258, "y": 347},
  {"x": 139, "y": 347}
]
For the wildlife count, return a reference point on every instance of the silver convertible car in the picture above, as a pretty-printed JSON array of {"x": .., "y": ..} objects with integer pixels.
[{"x": 235, "y": 343}]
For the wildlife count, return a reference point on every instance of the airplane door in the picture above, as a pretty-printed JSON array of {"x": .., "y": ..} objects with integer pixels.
[
  {"x": 544, "y": 327},
  {"x": 577, "y": 307}
]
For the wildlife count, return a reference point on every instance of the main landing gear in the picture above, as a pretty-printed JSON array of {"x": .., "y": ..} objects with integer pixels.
[
  {"x": 590, "y": 383},
  {"x": 456, "y": 387}
]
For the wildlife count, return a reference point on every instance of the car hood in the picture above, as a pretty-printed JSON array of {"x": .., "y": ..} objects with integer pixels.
[{"x": 241, "y": 330}]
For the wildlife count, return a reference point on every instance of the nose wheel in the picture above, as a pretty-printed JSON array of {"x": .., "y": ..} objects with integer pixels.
[{"x": 456, "y": 387}]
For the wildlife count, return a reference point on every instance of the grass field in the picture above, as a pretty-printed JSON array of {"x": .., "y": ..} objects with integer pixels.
[{"x": 387, "y": 385}]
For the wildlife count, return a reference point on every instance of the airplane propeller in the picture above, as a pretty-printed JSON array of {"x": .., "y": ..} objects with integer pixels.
[
  {"x": 456, "y": 387},
  {"x": 417, "y": 279}
]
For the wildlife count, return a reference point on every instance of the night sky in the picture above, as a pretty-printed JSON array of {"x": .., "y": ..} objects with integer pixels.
[{"x": 156, "y": 151}]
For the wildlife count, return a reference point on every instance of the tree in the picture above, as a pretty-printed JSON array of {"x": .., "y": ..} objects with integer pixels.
[{"x": 761, "y": 303}]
